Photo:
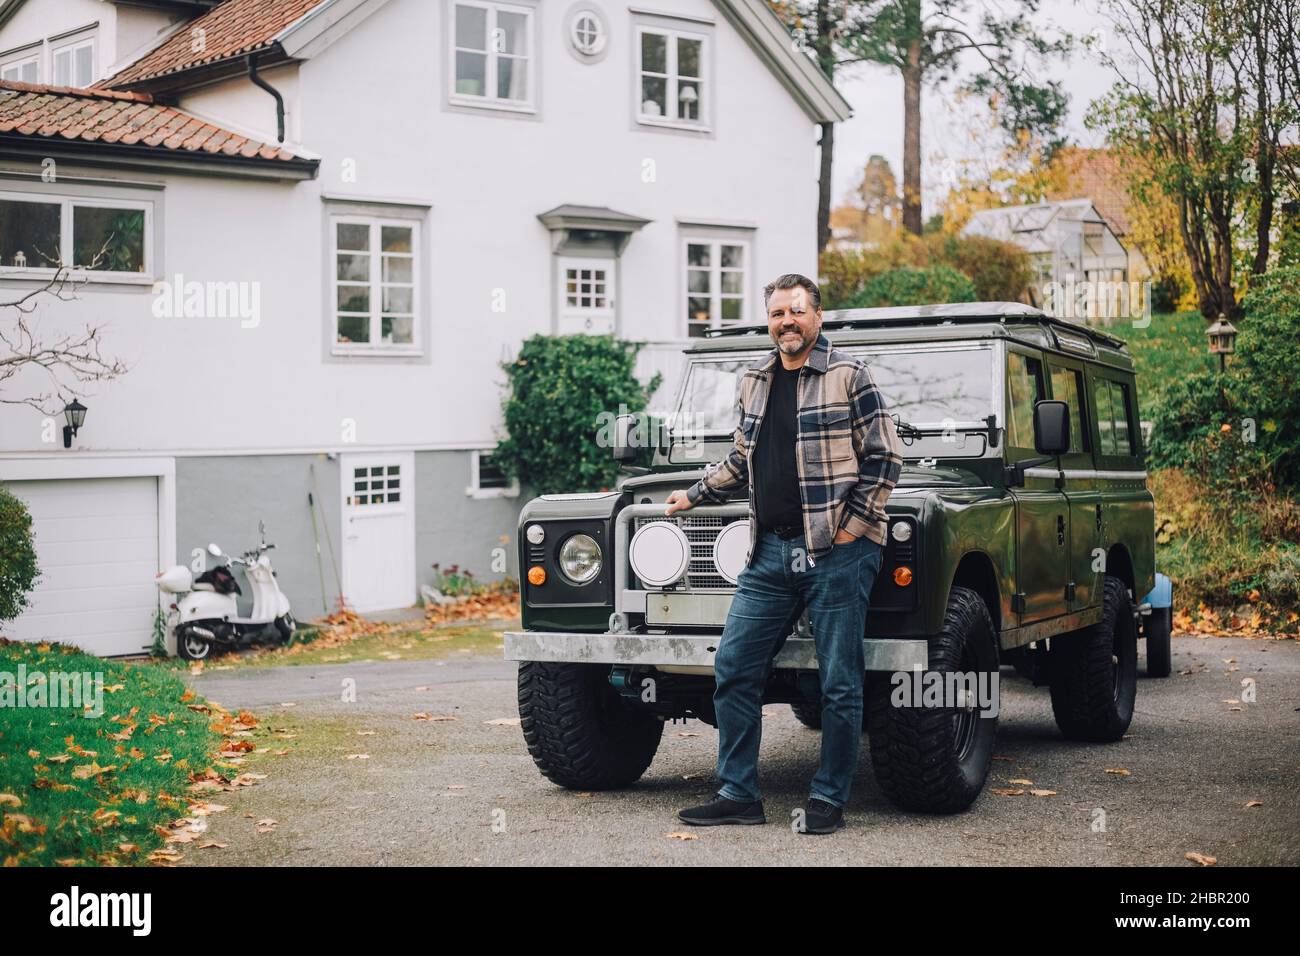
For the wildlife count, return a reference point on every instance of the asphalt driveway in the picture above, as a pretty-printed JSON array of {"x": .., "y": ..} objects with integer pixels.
[{"x": 422, "y": 762}]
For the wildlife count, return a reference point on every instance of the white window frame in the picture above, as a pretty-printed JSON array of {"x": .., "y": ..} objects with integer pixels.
[
  {"x": 67, "y": 204},
  {"x": 487, "y": 101},
  {"x": 475, "y": 490},
  {"x": 704, "y": 123},
  {"x": 747, "y": 301},
  {"x": 20, "y": 58},
  {"x": 375, "y": 346},
  {"x": 71, "y": 45}
]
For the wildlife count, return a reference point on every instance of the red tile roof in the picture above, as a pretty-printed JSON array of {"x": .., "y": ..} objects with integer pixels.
[
  {"x": 231, "y": 29},
  {"x": 129, "y": 119}
]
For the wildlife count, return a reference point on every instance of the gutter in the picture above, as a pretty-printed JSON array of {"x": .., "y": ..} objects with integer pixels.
[{"x": 279, "y": 100}]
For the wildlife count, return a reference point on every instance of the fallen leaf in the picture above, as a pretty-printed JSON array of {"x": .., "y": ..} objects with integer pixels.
[
  {"x": 681, "y": 836},
  {"x": 9, "y": 800},
  {"x": 1043, "y": 793},
  {"x": 128, "y": 847},
  {"x": 1007, "y": 792},
  {"x": 1118, "y": 771},
  {"x": 1022, "y": 782},
  {"x": 211, "y": 845},
  {"x": 365, "y": 733},
  {"x": 1200, "y": 858},
  {"x": 1254, "y": 803}
]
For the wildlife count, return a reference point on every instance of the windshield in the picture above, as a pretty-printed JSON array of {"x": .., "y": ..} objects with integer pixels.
[{"x": 935, "y": 387}]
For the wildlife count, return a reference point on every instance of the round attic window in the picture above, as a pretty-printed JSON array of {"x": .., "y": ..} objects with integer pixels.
[{"x": 587, "y": 32}]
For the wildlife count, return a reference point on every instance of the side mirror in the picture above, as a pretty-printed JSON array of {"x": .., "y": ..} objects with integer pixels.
[
  {"x": 214, "y": 550},
  {"x": 1051, "y": 427},
  {"x": 626, "y": 438}
]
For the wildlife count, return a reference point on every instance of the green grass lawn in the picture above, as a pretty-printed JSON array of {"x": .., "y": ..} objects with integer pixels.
[
  {"x": 83, "y": 789},
  {"x": 1171, "y": 347}
]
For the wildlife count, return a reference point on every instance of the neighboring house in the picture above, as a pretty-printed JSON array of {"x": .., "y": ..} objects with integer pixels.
[
  {"x": 1067, "y": 242},
  {"x": 329, "y": 221}
]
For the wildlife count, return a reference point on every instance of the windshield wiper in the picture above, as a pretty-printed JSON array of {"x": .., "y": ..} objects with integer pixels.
[{"x": 908, "y": 432}]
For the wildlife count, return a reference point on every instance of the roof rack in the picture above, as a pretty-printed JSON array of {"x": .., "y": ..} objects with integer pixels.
[{"x": 931, "y": 315}]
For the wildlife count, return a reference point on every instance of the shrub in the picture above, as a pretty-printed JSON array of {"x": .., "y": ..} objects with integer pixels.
[
  {"x": 561, "y": 390},
  {"x": 1266, "y": 360},
  {"x": 1000, "y": 270},
  {"x": 18, "y": 568},
  {"x": 1185, "y": 413},
  {"x": 911, "y": 286}
]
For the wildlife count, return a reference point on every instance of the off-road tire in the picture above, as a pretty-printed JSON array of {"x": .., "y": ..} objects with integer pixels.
[
  {"x": 1094, "y": 671},
  {"x": 1159, "y": 635},
  {"x": 581, "y": 734},
  {"x": 810, "y": 714},
  {"x": 936, "y": 759}
]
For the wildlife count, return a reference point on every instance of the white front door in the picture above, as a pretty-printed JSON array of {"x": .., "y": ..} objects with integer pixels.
[
  {"x": 586, "y": 289},
  {"x": 378, "y": 530}
]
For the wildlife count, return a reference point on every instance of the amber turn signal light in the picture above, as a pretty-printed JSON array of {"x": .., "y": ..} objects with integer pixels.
[
  {"x": 536, "y": 576},
  {"x": 903, "y": 576}
]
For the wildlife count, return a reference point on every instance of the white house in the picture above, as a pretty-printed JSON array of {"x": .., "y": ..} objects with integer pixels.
[{"x": 327, "y": 222}]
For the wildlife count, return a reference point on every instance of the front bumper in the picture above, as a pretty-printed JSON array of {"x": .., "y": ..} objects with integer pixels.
[{"x": 694, "y": 650}]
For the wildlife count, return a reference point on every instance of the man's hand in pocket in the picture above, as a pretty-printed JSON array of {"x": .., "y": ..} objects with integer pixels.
[{"x": 843, "y": 537}]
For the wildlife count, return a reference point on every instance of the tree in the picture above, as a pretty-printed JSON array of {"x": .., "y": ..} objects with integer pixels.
[
  {"x": 1205, "y": 91},
  {"x": 925, "y": 42},
  {"x": 67, "y": 361},
  {"x": 872, "y": 215}
]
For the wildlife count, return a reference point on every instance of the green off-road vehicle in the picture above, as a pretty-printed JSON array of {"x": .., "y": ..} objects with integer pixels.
[{"x": 1021, "y": 534}]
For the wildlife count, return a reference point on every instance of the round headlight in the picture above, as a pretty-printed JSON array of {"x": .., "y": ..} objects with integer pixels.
[
  {"x": 901, "y": 531},
  {"x": 659, "y": 553},
  {"x": 730, "y": 548},
  {"x": 536, "y": 534},
  {"x": 580, "y": 558}
]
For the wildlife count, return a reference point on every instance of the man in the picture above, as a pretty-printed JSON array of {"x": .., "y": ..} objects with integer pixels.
[{"x": 819, "y": 454}]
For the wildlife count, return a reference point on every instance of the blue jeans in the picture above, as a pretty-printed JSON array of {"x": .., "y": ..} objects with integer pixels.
[{"x": 770, "y": 594}]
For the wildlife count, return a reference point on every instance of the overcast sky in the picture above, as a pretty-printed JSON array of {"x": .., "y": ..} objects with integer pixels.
[{"x": 876, "y": 95}]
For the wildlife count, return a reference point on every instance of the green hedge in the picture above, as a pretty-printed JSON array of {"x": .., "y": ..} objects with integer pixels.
[
  {"x": 562, "y": 389},
  {"x": 1258, "y": 398},
  {"x": 910, "y": 286},
  {"x": 18, "y": 569}
]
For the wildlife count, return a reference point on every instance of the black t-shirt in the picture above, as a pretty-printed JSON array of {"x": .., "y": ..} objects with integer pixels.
[{"x": 775, "y": 474}]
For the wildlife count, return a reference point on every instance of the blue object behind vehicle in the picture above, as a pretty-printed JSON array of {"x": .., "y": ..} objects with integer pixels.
[{"x": 1162, "y": 595}]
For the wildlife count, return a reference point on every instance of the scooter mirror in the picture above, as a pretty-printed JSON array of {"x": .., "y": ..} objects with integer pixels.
[{"x": 214, "y": 550}]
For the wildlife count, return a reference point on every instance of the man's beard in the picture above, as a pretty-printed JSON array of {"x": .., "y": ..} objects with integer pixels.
[{"x": 789, "y": 346}]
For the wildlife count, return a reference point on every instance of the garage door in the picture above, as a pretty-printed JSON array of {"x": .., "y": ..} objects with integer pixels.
[{"x": 97, "y": 546}]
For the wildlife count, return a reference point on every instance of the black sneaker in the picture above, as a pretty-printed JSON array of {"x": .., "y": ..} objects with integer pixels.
[
  {"x": 720, "y": 811},
  {"x": 822, "y": 817}
]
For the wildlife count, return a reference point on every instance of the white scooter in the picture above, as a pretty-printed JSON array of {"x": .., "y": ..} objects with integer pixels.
[{"x": 205, "y": 612}]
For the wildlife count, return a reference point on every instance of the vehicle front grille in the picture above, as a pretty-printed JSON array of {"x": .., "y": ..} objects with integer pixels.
[{"x": 701, "y": 531}]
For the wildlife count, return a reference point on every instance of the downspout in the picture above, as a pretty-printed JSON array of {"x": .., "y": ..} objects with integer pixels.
[{"x": 279, "y": 100}]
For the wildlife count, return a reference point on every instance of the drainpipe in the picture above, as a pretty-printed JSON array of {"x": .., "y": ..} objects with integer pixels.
[{"x": 279, "y": 100}]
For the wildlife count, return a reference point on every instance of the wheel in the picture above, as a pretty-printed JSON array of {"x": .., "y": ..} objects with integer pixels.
[
  {"x": 809, "y": 714},
  {"x": 1159, "y": 636},
  {"x": 286, "y": 625},
  {"x": 191, "y": 647},
  {"x": 1094, "y": 671},
  {"x": 936, "y": 759},
  {"x": 581, "y": 734}
]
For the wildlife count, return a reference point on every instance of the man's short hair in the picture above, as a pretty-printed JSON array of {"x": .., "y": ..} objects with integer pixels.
[{"x": 789, "y": 281}]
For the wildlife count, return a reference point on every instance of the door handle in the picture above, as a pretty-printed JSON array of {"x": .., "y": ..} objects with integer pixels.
[{"x": 1060, "y": 529}]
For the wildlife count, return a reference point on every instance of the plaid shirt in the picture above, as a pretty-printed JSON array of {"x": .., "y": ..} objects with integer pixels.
[{"x": 847, "y": 452}]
